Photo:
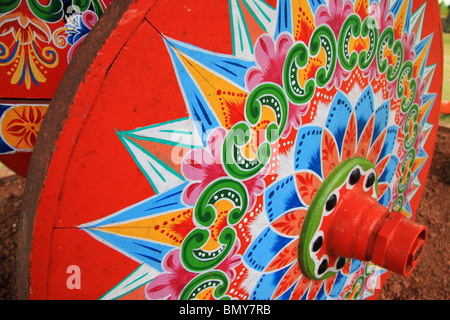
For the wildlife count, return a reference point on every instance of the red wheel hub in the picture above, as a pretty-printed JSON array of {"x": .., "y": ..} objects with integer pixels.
[{"x": 365, "y": 230}]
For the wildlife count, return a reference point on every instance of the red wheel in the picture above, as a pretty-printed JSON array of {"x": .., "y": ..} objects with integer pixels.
[{"x": 205, "y": 151}]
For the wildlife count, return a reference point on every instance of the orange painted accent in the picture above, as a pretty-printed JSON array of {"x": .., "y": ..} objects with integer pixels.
[{"x": 20, "y": 125}]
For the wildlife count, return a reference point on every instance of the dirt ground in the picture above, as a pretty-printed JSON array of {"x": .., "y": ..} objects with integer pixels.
[
  {"x": 11, "y": 189},
  {"x": 430, "y": 279},
  {"x": 428, "y": 282}
]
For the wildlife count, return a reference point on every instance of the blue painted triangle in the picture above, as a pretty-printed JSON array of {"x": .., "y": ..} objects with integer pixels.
[
  {"x": 201, "y": 112},
  {"x": 425, "y": 99},
  {"x": 307, "y": 150},
  {"x": 418, "y": 50},
  {"x": 380, "y": 121},
  {"x": 168, "y": 201},
  {"x": 284, "y": 19},
  {"x": 266, "y": 285},
  {"x": 314, "y": 4},
  {"x": 144, "y": 251},
  {"x": 229, "y": 67},
  {"x": 265, "y": 248},
  {"x": 338, "y": 116},
  {"x": 281, "y": 198}
]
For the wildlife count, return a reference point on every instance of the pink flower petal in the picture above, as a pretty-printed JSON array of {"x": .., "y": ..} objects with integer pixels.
[
  {"x": 264, "y": 51},
  {"x": 215, "y": 144},
  {"x": 193, "y": 165},
  {"x": 253, "y": 78},
  {"x": 158, "y": 288}
]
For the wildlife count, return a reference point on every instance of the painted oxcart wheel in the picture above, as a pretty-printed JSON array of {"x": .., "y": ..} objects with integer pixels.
[
  {"x": 201, "y": 151},
  {"x": 37, "y": 42}
]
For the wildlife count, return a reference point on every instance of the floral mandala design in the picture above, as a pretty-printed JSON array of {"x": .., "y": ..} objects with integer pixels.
[{"x": 323, "y": 85}]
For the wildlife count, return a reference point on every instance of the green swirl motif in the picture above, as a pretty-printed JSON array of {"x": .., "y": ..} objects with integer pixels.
[
  {"x": 412, "y": 113},
  {"x": 298, "y": 57},
  {"x": 224, "y": 189},
  {"x": 83, "y": 5},
  {"x": 8, "y": 5},
  {"x": 402, "y": 184},
  {"x": 52, "y": 12},
  {"x": 407, "y": 103},
  {"x": 387, "y": 39},
  {"x": 351, "y": 26},
  {"x": 197, "y": 259},
  {"x": 411, "y": 110},
  {"x": 271, "y": 95},
  {"x": 406, "y": 72},
  {"x": 235, "y": 162},
  {"x": 323, "y": 37},
  {"x": 214, "y": 279},
  {"x": 394, "y": 71},
  {"x": 398, "y": 203},
  {"x": 369, "y": 29},
  {"x": 193, "y": 255}
]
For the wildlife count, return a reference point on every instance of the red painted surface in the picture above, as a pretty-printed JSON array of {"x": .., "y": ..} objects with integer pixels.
[
  {"x": 104, "y": 158},
  {"x": 17, "y": 162},
  {"x": 87, "y": 147}
]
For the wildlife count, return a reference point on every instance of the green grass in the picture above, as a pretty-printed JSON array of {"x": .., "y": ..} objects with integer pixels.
[
  {"x": 444, "y": 9},
  {"x": 446, "y": 86},
  {"x": 444, "y": 117}
]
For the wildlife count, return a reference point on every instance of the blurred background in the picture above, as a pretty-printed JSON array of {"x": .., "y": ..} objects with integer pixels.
[{"x": 445, "y": 16}]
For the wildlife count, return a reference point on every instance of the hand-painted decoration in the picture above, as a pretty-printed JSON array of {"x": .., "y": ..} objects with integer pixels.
[
  {"x": 324, "y": 84},
  {"x": 318, "y": 100},
  {"x": 37, "y": 42},
  {"x": 19, "y": 126}
]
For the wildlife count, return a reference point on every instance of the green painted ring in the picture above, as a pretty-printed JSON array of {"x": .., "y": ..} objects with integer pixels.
[{"x": 314, "y": 216}]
